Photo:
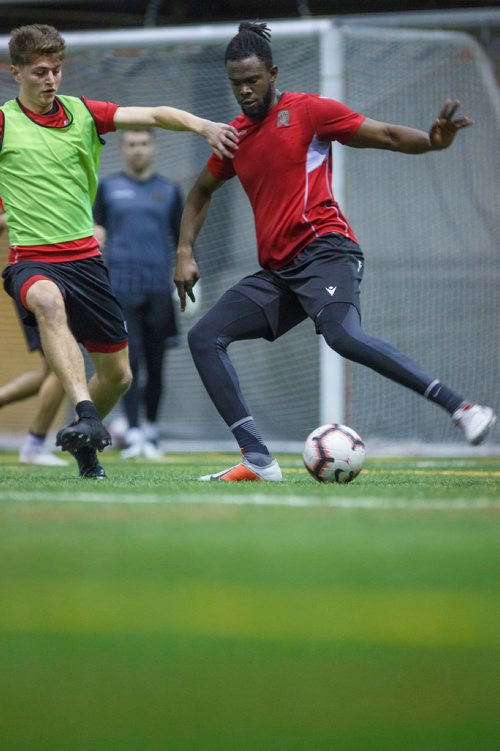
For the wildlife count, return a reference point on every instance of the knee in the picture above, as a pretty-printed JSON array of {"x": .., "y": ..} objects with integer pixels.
[
  {"x": 339, "y": 340},
  {"x": 124, "y": 379},
  {"x": 45, "y": 300},
  {"x": 200, "y": 339},
  {"x": 117, "y": 379}
]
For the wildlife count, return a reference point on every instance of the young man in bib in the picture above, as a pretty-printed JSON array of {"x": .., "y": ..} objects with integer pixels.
[{"x": 49, "y": 159}]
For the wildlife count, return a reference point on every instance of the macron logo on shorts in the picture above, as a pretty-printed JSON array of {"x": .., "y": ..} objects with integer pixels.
[{"x": 331, "y": 290}]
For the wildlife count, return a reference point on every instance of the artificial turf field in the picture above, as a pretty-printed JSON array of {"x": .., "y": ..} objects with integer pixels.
[{"x": 154, "y": 612}]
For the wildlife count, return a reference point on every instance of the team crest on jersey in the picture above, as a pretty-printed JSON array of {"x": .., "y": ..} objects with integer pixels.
[{"x": 283, "y": 119}]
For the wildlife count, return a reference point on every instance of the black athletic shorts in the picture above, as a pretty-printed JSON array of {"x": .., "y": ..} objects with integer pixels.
[
  {"x": 95, "y": 316},
  {"x": 328, "y": 270}
]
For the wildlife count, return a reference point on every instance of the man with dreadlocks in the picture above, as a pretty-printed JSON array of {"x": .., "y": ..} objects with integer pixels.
[{"x": 311, "y": 262}]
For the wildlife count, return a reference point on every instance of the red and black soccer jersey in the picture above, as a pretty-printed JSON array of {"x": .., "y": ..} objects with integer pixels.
[{"x": 284, "y": 163}]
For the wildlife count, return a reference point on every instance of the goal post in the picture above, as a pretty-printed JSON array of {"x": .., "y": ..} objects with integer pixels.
[{"x": 331, "y": 365}]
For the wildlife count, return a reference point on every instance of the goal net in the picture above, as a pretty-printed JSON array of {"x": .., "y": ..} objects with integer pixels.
[{"x": 429, "y": 225}]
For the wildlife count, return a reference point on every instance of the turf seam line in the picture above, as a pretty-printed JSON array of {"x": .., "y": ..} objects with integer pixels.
[{"x": 258, "y": 499}]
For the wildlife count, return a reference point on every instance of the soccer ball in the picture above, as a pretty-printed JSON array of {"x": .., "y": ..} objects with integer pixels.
[{"x": 334, "y": 453}]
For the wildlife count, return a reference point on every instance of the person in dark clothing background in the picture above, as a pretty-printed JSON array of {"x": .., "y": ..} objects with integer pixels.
[{"x": 137, "y": 214}]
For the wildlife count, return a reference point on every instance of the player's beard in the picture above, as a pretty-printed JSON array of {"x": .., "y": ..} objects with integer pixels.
[{"x": 263, "y": 108}]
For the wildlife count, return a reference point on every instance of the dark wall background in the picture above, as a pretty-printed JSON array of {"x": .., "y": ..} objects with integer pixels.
[{"x": 87, "y": 14}]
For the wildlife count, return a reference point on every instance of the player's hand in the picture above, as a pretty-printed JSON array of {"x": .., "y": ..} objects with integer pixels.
[
  {"x": 445, "y": 127},
  {"x": 185, "y": 277},
  {"x": 100, "y": 235},
  {"x": 222, "y": 138}
]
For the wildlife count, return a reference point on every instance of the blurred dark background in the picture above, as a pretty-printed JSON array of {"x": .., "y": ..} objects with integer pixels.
[{"x": 70, "y": 15}]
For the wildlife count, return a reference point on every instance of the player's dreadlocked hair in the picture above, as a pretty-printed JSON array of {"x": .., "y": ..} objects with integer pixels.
[{"x": 252, "y": 39}]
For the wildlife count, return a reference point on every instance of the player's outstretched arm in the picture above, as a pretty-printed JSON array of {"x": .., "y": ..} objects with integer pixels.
[
  {"x": 222, "y": 138},
  {"x": 193, "y": 217},
  {"x": 377, "y": 135}
]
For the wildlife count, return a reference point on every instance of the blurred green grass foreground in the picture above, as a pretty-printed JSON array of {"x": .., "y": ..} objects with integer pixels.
[{"x": 154, "y": 612}]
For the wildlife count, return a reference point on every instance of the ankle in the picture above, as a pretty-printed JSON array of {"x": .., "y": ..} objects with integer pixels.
[
  {"x": 258, "y": 459},
  {"x": 87, "y": 409}
]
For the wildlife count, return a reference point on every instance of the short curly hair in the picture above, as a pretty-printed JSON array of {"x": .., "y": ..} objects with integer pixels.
[{"x": 27, "y": 43}]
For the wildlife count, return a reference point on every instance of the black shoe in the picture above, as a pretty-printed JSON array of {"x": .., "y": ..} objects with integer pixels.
[
  {"x": 85, "y": 432},
  {"x": 88, "y": 464}
]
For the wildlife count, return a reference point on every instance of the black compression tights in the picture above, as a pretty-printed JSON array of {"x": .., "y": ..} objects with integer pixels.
[
  {"x": 340, "y": 325},
  {"x": 236, "y": 318},
  {"x": 233, "y": 318}
]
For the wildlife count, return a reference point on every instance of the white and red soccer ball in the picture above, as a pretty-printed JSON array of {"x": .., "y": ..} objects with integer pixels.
[{"x": 334, "y": 453}]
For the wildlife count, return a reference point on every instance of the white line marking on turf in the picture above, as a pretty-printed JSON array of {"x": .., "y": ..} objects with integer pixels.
[{"x": 259, "y": 499}]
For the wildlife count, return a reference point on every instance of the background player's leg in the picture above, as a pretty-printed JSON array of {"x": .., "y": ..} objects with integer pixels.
[
  {"x": 111, "y": 379},
  {"x": 131, "y": 401},
  {"x": 154, "y": 353},
  {"x": 153, "y": 388},
  {"x": 156, "y": 326},
  {"x": 24, "y": 385},
  {"x": 46, "y": 385},
  {"x": 233, "y": 318},
  {"x": 50, "y": 397}
]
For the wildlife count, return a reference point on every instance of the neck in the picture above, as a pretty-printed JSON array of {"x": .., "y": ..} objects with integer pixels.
[
  {"x": 277, "y": 96},
  {"x": 36, "y": 107},
  {"x": 139, "y": 175},
  {"x": 274, "y": 101}
]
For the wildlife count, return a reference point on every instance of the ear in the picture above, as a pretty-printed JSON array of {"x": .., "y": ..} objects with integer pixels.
[
  {"x": 15, "y": 73},
  {"x": 274, "y": 72}
]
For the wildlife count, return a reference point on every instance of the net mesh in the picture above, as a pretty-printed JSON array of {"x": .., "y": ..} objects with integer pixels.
[{"x": 428, "y": 226}]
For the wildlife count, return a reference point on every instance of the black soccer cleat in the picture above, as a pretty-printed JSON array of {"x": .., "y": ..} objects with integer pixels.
[
  {"x": 84, "y": 432},
  {"x": 88, "y": 463}
]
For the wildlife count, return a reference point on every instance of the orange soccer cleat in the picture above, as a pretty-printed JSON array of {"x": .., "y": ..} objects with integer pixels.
[{"x": 245, "y": 471}]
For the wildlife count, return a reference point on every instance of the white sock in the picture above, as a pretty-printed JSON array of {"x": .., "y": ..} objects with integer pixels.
[
  {"x": 150, "y": 432},
  {"x": 133, "y": 436},
  {"x": 33, "y": 444}
]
